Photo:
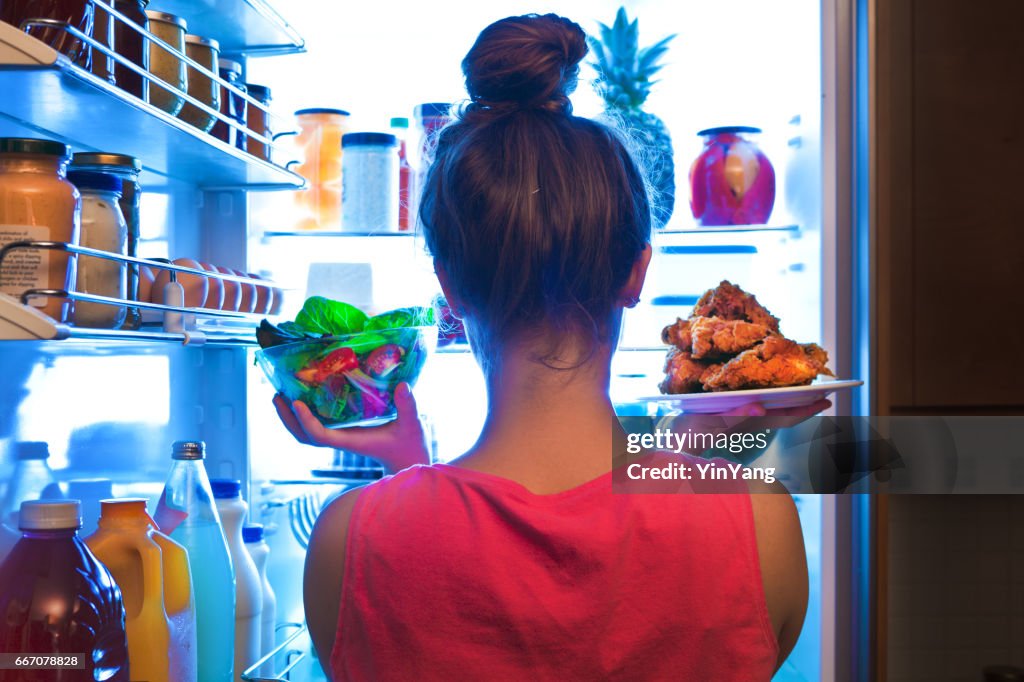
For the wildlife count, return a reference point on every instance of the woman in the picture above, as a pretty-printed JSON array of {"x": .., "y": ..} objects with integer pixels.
[{"x": 516, "y": 561}]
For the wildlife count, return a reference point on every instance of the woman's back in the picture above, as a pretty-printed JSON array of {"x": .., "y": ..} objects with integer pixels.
[{"x": 452, "y": 573}]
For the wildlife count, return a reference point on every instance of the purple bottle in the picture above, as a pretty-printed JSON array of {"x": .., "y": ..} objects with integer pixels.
[{"x": 58, "y": 601}]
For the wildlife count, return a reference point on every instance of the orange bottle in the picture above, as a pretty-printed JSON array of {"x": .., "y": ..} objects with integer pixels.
[
  {"x": 153, "y": 573},
  {"x": 319, "y": 143}
]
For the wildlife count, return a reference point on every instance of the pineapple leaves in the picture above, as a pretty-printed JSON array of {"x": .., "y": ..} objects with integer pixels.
[{"x": 624, "y": 69}]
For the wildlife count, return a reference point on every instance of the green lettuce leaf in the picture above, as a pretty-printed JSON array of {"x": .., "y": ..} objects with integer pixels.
[
  {"x": 323, "y": 316},
  {"x": 402, "y": 317}
]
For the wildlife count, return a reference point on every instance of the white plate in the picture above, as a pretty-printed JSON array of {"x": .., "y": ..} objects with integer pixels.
[{"x": 770, "y": 398}]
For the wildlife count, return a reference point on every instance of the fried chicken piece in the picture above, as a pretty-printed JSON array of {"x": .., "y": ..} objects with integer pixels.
[
  {"x": 677, "y": 334},
  {"x": 776, "y": 361},
  {"x": 819, "y": 355},
  {"x": 713, "y": 337},
  {"x": 730, "y": 302},
  {"x": 683, "y": 374}
]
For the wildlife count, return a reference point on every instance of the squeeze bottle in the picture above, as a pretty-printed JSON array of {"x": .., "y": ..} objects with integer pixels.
[
  {"x": 248, "y": 590},
  {"x": 259, "y": 550},
  {"x": 153, "y": 573},
  {"x": 186, "y": 512}
]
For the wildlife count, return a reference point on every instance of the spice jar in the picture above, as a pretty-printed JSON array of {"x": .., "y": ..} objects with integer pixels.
[
  {"x": 77, "y": 13},
  {"x": 165, "y": 65},
  {"x": 130, "y": 44},
  {"x": 127, "y": 169},
  {"x": 37, "y": 203},
  {"x": 103, "y": 228},
  {"x": 231, "y": 105},
  {"x": 204, "y": 51},
  {"x": 258, "y": 121},
  {"x": 369, "y": 182}
]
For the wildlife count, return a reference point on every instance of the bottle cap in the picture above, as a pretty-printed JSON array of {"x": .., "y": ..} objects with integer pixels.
[
  {"x": 31, "y": 145},
  {"x": 399, "y": 122},
  {"x": 321, "y": 110},
  {"x": 188, "y": 449},
  {"x": 368, "y": 139},
  {"x": 252, "y": 533},
  {"x": 428, "y": 109},
  {"x": 99, "y": 182},
  {"x": 119, "y": 161},
  {"x": 229, "y": 65},
  {"x": 31, "y": 450},
  {"x": 258, "y": 92},
  {"x": 155, "y": 15},
  {"x": 192, "y": 39},
  {"x": 225, "y": 488},
  {"x": 728, "y": 129},
  {"x": 50, "y": 515}
]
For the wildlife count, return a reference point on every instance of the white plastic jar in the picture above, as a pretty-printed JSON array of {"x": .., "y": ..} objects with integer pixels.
[
  {"x": 103, "y": 228},
  {"x": 369, "y": 177}
]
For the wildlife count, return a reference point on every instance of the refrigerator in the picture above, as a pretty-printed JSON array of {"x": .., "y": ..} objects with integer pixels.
[{"x": 110, "y": 403}]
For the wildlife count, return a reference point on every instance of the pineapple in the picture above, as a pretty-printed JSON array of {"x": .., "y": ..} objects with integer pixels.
[{"x": 624, "y": 71}]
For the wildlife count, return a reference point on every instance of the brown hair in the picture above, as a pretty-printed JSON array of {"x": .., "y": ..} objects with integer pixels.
[{"x": 536, "y": 216}]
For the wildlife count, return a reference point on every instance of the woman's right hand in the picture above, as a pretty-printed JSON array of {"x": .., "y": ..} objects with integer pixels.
[{"x": 397, "y": 444}]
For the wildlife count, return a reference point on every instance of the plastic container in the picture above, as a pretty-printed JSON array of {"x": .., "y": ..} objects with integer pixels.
[
  {"x": 153, "y": 573},
  {"x": 370, "y": 177},
  {"x": 205, "y": 51},
  {"x": 37, "y": 203},
  {"x": 258, "y": 121},
  {"x": 187, "y": 514},
  {"x": 127, "y": 168},
  {"x": 259, "y": 550},
  {"x": 57, "y": 599},
  {"x": 32, "y": 479},
  {"x": 103, "y": 228},
  {"x": 248, "y": 588},
  {"x": 400, "y": 129},
  {"x": 231, "y": 105},
  {"x": 165, "y": 65},
  {"x": 731, "y": 181},
  {"x": 319, "y": 144},
  {"x": 349, "y": 380}
]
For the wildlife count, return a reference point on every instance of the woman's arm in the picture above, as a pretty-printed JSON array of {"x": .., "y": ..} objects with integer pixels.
[{"x": 325, "y": 568}]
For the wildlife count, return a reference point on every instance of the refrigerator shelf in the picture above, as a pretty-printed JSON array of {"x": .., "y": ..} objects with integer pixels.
[
  {"x": 250, "y": 28},
  {"x": 724, "y": 229},
  {"x": 51, "y": 97},
  {"x": 720, "y": 229}
]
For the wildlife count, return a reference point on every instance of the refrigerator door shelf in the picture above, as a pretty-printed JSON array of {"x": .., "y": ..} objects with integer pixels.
[
  {"x": 24, "y": 323},
  {"x": 242, "y": 27}
]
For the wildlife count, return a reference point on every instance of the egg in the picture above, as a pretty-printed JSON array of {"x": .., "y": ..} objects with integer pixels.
[
  {"x": 232, "y": 291},
  {"x": 146, "y": 278},
  {"x": 264, "y": 297},
  {"x": 195, "y": 286},
  {"x": 215, "y": 290},
  {"x": 248, "y": 303},
  {"x": 278, "y": 302}
]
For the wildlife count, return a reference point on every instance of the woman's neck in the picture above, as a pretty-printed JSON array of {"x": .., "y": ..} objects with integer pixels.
[{"x": 547, "y": 429}]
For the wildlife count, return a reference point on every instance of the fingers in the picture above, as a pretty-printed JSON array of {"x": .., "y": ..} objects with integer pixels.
[
  {"x": 405, "y": 402},
  {"x": 284, "y": 411},
  {"x": 316, "y": 432}
]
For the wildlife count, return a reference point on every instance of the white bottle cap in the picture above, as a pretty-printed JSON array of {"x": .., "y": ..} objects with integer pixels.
[{"x": 50, "y": 515}]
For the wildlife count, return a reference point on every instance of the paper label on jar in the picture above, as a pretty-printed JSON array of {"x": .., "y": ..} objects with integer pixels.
[{"x": 24, "y": 269}]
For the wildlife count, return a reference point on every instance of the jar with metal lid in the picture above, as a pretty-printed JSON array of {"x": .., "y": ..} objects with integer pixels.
[
  {"x": 369, "y": 177},
  {"x": 258, "y": 121},
  {"x": 103, "y": 228},
  {"x": 126, "y": 168},
  {"x": 231, "y": 105},
  {"x": 165, "y": 65},
  {"x": 37, "y": 203},
  {"x": 206, "y": 52},
  {"x": 127, "y": 42},
  {"x": 76, "y": 13}
]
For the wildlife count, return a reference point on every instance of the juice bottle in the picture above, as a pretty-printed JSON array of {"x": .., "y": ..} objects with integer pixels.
[
  {"x": 153, "y": 573},
  {"x": 400, "y": 128},
  {"x": 248, "y": 589},
  {"x": 57, "y": 599},
  {"x": 259, "y": 550},
  {"x": 186, "y": 513}
]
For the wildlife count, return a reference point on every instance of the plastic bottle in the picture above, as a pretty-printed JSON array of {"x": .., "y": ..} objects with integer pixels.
[
  {"x": 57, "y": 599},
  {"x": 153, "y": 573},
  {"x": 400, "y": 129},
  {"x": 32, "y": 480},
  {"x": 186, "y": 512},
  {"x": 248, "y": 590},
  {"x": 259, "y": 550}
]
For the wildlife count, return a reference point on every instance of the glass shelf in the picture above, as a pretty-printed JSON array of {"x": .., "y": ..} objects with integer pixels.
[
  {"x": 243, "y": 27},
  {"x": 720, "y": 229},
  {"x": 276, "y": 234}
]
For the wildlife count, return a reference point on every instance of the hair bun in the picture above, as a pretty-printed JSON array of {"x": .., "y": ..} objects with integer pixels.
[{"x": 527, "y": 62}]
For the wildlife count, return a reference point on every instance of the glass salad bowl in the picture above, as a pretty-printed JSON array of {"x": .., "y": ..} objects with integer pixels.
[{"x": 349, "y": 380}]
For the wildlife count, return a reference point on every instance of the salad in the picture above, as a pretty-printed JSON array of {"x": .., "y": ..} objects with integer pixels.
[{"x": 344, "y": 364}]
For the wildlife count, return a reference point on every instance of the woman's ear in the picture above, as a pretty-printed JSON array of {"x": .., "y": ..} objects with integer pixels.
[
  {"x": 630, "y": 294},
  {"x": 454, "y": 302}
]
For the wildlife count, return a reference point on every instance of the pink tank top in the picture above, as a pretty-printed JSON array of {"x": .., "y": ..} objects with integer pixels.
[{"x": 453, "y": 574}]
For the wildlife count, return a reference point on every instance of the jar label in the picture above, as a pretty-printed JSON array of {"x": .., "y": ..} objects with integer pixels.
[{"x": 24, "y": 269}]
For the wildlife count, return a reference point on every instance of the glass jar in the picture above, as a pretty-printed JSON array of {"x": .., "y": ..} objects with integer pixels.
[
  {"x": 126, "y": 168},
  {"x": 102, "y": 65},
  {"x": 38, "y": 203},
  {"x": 319, "y": 144},
  {"x": 166, "y": 65},
  {"x": 731, "y": 181},
  {"x": 77, "y": 13},
  {"x": 204, "y": 51},
  {"x": 258, "y": 121},
  {"x": 103, "y": 228},
  {"x": 369, "y": 183},
  {"x": 231, "y": 105},
  {"x": 131, "y": 45}
]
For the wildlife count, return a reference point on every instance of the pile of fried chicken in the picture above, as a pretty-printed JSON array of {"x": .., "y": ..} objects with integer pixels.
[{"x": 731, "y": 342}]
